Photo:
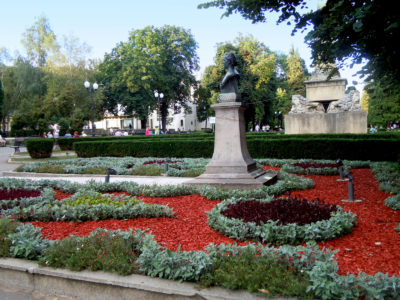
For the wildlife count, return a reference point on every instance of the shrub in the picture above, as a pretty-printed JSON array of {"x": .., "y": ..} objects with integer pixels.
[
  {"x": 284, "y": 147},
  {"x": 39, "y": 148},
  {"x": 99, "y": 251},
  {"x": 257, "y": 273},
  {"x": 50, "y": 168},
  {"x": 147, "y": 171},
  {"x": 7, "y": 226}
]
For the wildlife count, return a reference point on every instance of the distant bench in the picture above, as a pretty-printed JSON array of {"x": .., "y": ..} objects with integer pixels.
[{"x": 18, "y": 142}]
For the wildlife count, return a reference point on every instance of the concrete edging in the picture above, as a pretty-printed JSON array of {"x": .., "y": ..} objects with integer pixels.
[{"x": 29, "y": 276}]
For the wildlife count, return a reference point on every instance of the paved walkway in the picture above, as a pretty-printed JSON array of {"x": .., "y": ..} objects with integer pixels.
[{"x": 6, "y": 169}]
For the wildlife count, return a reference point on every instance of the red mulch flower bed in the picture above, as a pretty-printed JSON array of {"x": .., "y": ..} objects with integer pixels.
[{"x": 372, "y": 247}]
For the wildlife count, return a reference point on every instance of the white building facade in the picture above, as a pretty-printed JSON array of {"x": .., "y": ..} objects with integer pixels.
[{"x": 176, "y": 122}]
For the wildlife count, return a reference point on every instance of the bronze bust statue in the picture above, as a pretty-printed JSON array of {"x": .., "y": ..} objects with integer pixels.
[{"x": 229, "y": 84}]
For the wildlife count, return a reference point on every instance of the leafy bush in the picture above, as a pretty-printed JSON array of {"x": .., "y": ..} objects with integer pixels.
[
  {"x": 50, "y": 168},
  {"x": 100, "y": 250},
  {"x": 98, "y": 198},
  {"x": 393, "y": 202},
  {"x": 380, "y": 149},
  {"x": 147, "y": 170},
  {"x": 268, "y": 275},
  {"x": 39, "y": 148},
  {"x": 7, "y": 227},
  {"x": 27, "y": 242}
]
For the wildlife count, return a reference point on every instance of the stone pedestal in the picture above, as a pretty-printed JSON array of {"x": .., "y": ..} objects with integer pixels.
[
  {"x": 341, "y": 122},
  {"x": 231, "y": 166}
]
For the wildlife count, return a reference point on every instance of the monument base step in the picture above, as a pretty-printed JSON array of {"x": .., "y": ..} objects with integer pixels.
[{"x": 230, "y": 183}]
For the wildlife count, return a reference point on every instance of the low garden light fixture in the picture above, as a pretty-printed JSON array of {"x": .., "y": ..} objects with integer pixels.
[
  {"x": 341, "y": 172},
  {"x": 347, "y": 174},
  {"x": 110, "y": 171},
  {"x": 166, "y": 162}
]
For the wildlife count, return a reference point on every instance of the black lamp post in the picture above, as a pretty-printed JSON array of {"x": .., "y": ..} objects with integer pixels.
[
  {"x": 92, "y": 89},
  {"x": 159, "y": 96}
]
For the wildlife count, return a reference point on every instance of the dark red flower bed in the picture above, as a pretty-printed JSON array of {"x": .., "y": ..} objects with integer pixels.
[
  {"x": 306, "y": 165},
  {"x": 10, "y": 194},
  {"x": 161, "y": 162},
  {"x": 372, "y": 247},
  {"x": 286, "y": 210}
]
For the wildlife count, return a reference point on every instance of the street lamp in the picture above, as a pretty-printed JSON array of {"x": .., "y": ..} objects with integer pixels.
[
  {"x": 92, "y": 89},
  {"x": 159, "y": 96},
  {"x": 277, "y": 116}
]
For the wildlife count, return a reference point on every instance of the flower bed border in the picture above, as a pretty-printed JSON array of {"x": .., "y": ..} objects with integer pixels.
[{"x": 339, "y": 224}]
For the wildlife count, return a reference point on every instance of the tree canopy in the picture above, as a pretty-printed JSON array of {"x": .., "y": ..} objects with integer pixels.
[
  {"x": 153, "y": 59},
  {"x": 267, "y": 79},
  {"x": 346, "y": 31},
  {"x": 46, "y": 86}
]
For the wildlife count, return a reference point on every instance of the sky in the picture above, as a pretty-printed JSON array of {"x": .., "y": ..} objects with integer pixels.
[{"x": 103, "y": 24}]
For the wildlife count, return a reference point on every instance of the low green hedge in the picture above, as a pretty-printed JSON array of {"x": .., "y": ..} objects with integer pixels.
[
  {"x": 146, "y": 148},
  {"x": 67, "y": 143},
  {"x": 318, "y": 148},
  {"x": 39, "y": 148}
]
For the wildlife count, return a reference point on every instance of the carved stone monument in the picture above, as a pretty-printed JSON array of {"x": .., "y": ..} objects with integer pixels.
[
  {"x": 231, "y": 166},
  {"x": 326, "y": 108}
]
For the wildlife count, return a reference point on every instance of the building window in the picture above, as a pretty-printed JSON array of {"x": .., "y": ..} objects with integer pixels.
[{"x": 181, "y": 123}]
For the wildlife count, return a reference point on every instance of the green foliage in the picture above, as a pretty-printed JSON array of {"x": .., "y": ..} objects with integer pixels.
[
  {"x": 49, "y": 168},
  {"x": 393, "y": 202},
  {"x": 84, "y": 205},
  {"x": 388, "y": 176},
  {"x": 101, "y": 250},
  {"x": 340, "y": 30},
  {"x": 7, "y": 227},
  {"x": 259, "y": 78},
  {"x": 147, "y": 171},
  {"x": 332, "y": 147},
  {"x": 340, "y": 223},
  {"x": 268, "y": 275},
  {"x": 27, "y": 242},
  {"x": 39, "y": 148},
  {"x": 143, "y": 148},
  {"x": 384, "y": 104},
  {"x": 98, "y": 198},
  {"x": 162, "y": 59}
]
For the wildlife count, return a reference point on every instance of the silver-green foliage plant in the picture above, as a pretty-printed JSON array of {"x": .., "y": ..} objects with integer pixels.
[
  {"x": 96, "y": 207},
  {"x": 389, "y": 181},
  {"x": 286, "y": 182},
  {"x": 27, "y": 242},
  {"x": 339, "y": 223},
  {"x": 122, "y": 165}
]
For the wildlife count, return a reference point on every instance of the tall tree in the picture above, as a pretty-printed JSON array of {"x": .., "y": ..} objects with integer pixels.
[
  {"x": 256, "y": 65},
  {"x": 1, "y": 98},
  {"x": 39, "y": 41},
  {"x": 384, "y": 104},
  {"x": 203, "y": 106},
  {"x": 296, "y": 73},
  {"x": 357, "y": 30},
  {"x": 153, "y": 59}
]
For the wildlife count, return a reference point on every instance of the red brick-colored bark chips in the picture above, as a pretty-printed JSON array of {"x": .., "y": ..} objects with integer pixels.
[{"x": 372, "y": 247}]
